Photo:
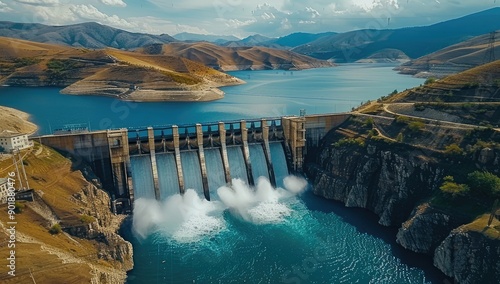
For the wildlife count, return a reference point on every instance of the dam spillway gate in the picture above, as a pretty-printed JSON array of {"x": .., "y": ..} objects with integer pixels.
[{"x": 157, "y": 162}]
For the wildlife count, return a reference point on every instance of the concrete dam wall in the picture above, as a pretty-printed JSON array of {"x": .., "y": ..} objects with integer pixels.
[{"x": 161, "y": 161}]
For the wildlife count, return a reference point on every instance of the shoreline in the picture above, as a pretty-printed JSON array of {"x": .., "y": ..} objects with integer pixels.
[{"x": 16, "y": 120}]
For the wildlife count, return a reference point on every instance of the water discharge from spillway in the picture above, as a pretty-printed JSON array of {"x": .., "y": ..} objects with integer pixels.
[{"x": 189, "y": 217}]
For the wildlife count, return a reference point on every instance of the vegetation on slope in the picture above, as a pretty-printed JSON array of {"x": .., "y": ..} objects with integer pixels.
[
  {"x": 454, "y": 123},
  {"x": 43, "y": 248}
]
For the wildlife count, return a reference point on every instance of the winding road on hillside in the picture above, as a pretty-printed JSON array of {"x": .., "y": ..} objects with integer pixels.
[{"x": 436, "y": 121}]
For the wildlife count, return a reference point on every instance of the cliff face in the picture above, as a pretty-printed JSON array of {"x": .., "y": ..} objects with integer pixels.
[
  {"x": 469, "y": 257},
  {"x": 394, "y": 181},
  {"x": 111, "y": 246},
  {"x": 387, "y": 182},
  {"x": 426, "y": 229}
]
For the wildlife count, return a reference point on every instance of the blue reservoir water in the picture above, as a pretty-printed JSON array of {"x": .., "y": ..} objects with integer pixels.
[{"x": 267, "y": 93}]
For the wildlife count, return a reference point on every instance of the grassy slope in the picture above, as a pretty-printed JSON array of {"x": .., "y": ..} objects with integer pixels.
[
  {"x": 471, "y": 52},
  {"x": 465, "y": 94},
  {"x": 86, "y": 64},
  {"x": 50, "y": 174},
  {"x": 229, "y": 57}
]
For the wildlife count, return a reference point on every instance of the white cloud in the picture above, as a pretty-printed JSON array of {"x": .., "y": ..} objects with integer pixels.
[
  {"x": 240, "y": 17},
  {"x": 39, "y": 2},
  {"x": 117, "y": 3},
  {"x": 89, "y": 12},
  {"x": 4, "y": 8}
]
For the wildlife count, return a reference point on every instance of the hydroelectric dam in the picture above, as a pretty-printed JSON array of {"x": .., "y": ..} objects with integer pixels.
[{"x": 157, "y": 162}]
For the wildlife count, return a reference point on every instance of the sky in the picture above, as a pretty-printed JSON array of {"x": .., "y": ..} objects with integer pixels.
[{"x": 241, "y": 18}]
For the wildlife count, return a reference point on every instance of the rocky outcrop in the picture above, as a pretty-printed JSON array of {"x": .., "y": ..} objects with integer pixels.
[
  {"x": 469, "y": 257},
  {"x": 393, "y": 181},
  {"x": 389, "y": 183},
  {"x": 112, "y": 247},
  {"x": 426, "y": 229}
]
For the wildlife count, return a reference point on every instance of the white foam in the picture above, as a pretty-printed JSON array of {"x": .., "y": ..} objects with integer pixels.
[
  {"x": 189, "y": 217},
  {"x": 262, "y": 204},
  {"x": 295, "y": 184},
  {"x": 184, "y": 218}
]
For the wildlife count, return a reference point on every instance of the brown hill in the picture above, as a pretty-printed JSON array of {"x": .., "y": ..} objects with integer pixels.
[
  {"x": 479, "y": 84},
  {"x": 126, "y": 75},
  {"x": 236, "y": 58},
  {"x": 453, "y": 59},
  {"x": 15, "y": 120}
]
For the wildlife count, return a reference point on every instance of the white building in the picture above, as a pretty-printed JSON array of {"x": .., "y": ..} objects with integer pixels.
[
  {"x": 10, "y": 140},
  {"x": 3, "y": 190}
]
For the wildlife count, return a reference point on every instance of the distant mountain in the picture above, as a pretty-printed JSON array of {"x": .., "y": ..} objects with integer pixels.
[
  {"x": 253, "y": 40},
  {"x": 454, "y": 58},
  {"x": 414, "y": 42},
  {"x": 387, "y": 55},
  {"x": 296, "y": 39},
  {"x": 89, "y": 35},
  {"x": 219, "y": 39},
  {"x": 236, "y": 58}
]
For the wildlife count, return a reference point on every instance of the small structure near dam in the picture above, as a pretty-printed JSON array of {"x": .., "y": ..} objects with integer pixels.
[{"x": 157, "y": 162}]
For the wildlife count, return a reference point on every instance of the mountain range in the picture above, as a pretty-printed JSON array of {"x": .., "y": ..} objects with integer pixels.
[
  {"x": 414, "y": 41},
  {"x": 89, "y": 35},
  {"x": 352, "y": 46},
  {"x": 455, "y": 58},
  {"x": 236, "y": 58}
]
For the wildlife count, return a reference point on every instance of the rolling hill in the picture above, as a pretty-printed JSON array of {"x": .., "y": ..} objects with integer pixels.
[
  {"x": 478, "y": 84},
  {"x": 109, "y": 72},
  {"x": 453, "y": 59},
  {"x": 236, "y": 58},
  {"x": 88, "y": 35},
  {"x": 414, "y": 42},
  {"x": 218, "y": 39}
]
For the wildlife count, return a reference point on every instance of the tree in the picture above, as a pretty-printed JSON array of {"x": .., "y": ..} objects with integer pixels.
[
  {"x": 485, "y": 182},
  {"x": 430, "y": 80},
  {"x": 450, "y": 187}
]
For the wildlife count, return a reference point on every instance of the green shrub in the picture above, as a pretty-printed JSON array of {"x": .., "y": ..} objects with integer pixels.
[
  {"x": 349, "y": 141},
  {"x": 450, "y": 187},
  {"x": 55, "y": 229},
  {"x": 400, "y": 137},
  {"x": 453, "y": 149},
  {"x": 86, "y": 219},
  {"x": 368, "y": 122},
  {"x": 403, "y": 119},
  {"x": 485, "y": 183},
  {"x": 430, "y": 80},
  {"x": 416, "y": 126}
]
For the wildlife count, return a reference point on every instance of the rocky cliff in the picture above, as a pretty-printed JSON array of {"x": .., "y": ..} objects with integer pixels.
[
  {"x": 469, "y": 257},
  {"x": 389, "y": 183},
  {"x": 396, "y": 181}
]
